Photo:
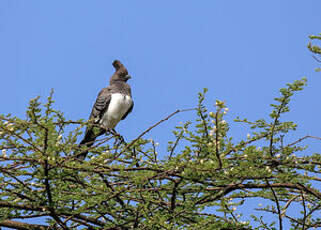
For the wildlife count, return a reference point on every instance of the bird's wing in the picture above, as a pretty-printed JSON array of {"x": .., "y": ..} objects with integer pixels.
[
  {"x": 101, "y": 104},
  {"x": 128, "y": 111},
  {"x": 98, "y": 110}
]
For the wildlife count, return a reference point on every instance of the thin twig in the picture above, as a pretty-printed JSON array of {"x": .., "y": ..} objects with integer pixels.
[
  {"x": 175, "y": 144},
  {"x": 217, "y": 141},
  {"x": 288, "y": 204},
  {"x": 277, "y": 204},
  {"x": 47, "y": 184},
  {"x": 174, "y": 193},
  {"x": 301, "y": 139},
  {"x": 304, "y": 211},
  {"x": 276, "y": 120},
  {"x": 204, "y": 122},
  {"x": 231, "y": 212},
  {"x": 153, "y": 126},
  {"x": 318, "y": 60}
]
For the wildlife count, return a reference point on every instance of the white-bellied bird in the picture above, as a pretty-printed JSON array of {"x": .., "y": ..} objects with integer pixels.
[{"x": 113, "y": 104}]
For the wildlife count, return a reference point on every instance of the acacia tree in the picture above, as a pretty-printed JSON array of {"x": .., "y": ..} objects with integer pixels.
[{"x": 201, "y": 182}]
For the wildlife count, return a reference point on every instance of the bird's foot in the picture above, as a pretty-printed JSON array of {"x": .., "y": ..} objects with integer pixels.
[{"x": 119, "y": 137}]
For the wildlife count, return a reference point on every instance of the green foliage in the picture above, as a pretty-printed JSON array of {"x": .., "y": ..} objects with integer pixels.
[
  {"x": 315, "y": 49},
  {"x": 201, "y": 182}
]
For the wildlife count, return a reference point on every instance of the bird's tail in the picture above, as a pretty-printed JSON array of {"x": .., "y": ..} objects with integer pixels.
[{"x": 88, "y": 141}]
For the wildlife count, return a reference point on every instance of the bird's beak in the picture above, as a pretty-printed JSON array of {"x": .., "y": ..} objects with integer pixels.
[{"x": 128, "y": 77}]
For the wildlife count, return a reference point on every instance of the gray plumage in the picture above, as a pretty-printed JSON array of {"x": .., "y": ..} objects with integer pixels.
[{"x": 113, "y": 104}]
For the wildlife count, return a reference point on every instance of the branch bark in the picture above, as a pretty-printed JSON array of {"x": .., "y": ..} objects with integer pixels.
[{"x": 22, "y": 226}]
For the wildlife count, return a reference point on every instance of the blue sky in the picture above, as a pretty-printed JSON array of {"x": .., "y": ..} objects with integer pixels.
[{"x": 243, "y": 51}]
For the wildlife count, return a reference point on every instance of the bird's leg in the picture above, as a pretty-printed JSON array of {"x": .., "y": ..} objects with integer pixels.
[
  {"x": 120, "y": 137},
  {"x": 113, "y": 131}
]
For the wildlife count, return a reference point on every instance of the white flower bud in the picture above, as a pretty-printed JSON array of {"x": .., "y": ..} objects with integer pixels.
[
  {"x": 105, "y": 153},
  {"x": 4, "y": 152},
  {"x": 268, "y": 169},
  {"x": 9, "y": 125}
]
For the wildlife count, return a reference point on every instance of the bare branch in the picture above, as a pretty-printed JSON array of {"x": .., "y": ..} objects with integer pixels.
[
  {"x": 317, "y": 59},
  {"x": 22, "y": 226},
  {"x": 277, "y": 204},
  {"x": 303, "y": 138},
  {"x": 153, "y": 126},
  {"x": 304, "y": 211}
]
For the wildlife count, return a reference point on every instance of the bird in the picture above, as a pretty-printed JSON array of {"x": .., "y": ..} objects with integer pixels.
[{"x": 112, "y": 105}]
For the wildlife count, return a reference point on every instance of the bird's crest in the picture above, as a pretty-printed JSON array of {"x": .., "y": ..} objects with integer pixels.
[
  {"x": 120, "y": 71},
  {"x": 117, "y": 64}
]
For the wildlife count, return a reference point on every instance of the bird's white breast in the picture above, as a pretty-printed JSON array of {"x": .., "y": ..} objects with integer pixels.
[{"x": 118, "y": 106}]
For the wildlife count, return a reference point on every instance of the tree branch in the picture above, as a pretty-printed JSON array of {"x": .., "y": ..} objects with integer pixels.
[
  {"x": 276, "y": 120},
  {"x": 22, "y": 226},
  {"x": 277, "y": 204},
  {"x": 217, "y": 141},
  {"x": 150, "y": 128}
]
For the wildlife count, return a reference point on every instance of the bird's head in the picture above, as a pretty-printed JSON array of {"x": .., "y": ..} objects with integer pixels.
[{"x": 121, "y": 73}]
